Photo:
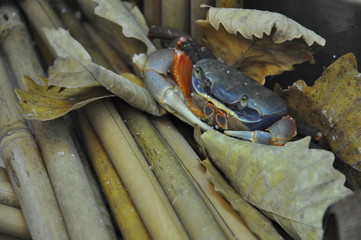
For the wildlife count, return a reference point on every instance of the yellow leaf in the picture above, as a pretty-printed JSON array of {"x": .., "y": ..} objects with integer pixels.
[
  {"x": 45, "y": 102},
  {"x": 333, "y": 105}
]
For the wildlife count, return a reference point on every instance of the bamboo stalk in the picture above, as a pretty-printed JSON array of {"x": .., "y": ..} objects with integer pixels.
[
  {"x": 196, "y": 217},
  {"x": 4, "y": 175},
  {"x": 152, "y": 11},
  {"x": 175, "y": 14},
  {"x": 75, "y": 196},
  {"x": 12, "y": 222},
  {"x": 116, "y": 63},
  {"x": 198, "y": 13},
  {"x": 7, "y": 194},
  {"x": 25, "y": 166},
  {"x": 229, "y": 3},
  {"x": 145, "y": 191},
  {"x": 128, "y": 219},
  {"x": 229, "y": 219}
]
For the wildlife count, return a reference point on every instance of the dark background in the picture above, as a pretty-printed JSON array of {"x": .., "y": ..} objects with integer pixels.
[{"x": 338, "y": 21}]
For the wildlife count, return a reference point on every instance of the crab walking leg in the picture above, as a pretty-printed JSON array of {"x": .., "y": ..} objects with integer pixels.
[
  {"x": 278, "y": 133},
  {"x": 164, "y": 90}
]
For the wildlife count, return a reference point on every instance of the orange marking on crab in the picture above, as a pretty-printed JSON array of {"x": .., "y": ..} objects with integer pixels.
[{"x": 181, "y": 72}]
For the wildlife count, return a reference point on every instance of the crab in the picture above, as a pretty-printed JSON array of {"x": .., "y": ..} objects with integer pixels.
[{"x": 211, "y": 94}]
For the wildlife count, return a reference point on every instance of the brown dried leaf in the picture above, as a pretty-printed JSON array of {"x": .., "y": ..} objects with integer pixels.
[
  {"x": 291, "y": 184},
  {"x": 259, "y": 43},
  {"x": 45, "y": 102},
  {"x": 333, "y": 105}
]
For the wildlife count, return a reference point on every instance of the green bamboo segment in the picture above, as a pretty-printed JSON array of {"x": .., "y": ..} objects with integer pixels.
[
  {"x": 24, "y": 163},
  {"x": 194, "y": 214},
  {"x": 143, "y": 188},
  {"x": 231, "y": 222},
  {"x": 128, "y": 219},
  {"x": 12, "y": 222},
  {"x": 71, "y": 185}
]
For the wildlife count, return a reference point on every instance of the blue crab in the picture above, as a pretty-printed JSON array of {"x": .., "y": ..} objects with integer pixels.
[{"x": 210, "y": 93}]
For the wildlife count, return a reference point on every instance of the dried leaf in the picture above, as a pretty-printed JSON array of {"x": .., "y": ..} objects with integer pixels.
[
  {"x": 256, "y": 222},
  {"x": 45, "y": 102},
  {"x": 292, "y": 184},
  {"x": 75, "y": 71},
  {"x": 119, "y": 13},
  {"x": 259, "y": 43},
  {"x": 333, "y": 105}
]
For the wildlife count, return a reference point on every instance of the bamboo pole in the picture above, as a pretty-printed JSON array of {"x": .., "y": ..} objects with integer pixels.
[
  {"x": 76, "y": 199},
  {"x": 12, "y": 222},
  {"x": 124, "y": 211},
  {"x": 152, "y": 13},
  {"x": 176, "y": 14},
  {"x": 229, "y": 219},
  {"x": 194, "y": 214},
  {"x": 145, "y": 191},
  {"x": 198, "y": 13},
  {"x": 7, "y": 194},
  {"x": 25, "y": 166}
]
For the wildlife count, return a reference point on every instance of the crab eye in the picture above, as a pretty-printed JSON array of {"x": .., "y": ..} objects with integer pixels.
[
  {"x": 198, "y": 72},
  {"x": 208, "y": 110},
  {"x": 221, "y": 120},
  {"x": 244, "y": 101}
]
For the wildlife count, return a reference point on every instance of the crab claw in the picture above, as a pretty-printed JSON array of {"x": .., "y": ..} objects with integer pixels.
[
  {"x": 278, "y": 133},
  {"x": 165, "y": 90}
]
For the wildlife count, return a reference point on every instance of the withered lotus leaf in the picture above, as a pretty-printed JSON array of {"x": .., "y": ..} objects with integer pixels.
[
  {"x": 259, "y": 43},
  {"x": 45, "y": 102},
  {"x": 292, "y": 184},
  {"x": 333, "y": 105}
]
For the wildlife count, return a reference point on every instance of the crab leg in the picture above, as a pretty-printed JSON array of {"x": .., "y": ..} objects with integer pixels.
[
  {"x": 165, "y": 90},
  {"x": 278, "y": 133}
]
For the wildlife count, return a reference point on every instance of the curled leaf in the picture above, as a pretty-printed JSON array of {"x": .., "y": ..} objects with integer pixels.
[
  {"x": 333, "y": 105},
  {"x": 292, "y": 184},
  {"x": 45, "y": 102},
  {"x": 259, "y": 43},
  {"x": 119, "y": 13}
]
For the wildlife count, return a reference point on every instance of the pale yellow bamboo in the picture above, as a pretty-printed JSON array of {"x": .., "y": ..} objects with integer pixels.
[
  {"x": 229, "y": 219},
  {"x": 145, "y": 191},
  {"x": 124, "y": 211},
  {"x": 7, "y": 194},
  {"x": 12, "y": 222},
  {"x": 72, "y": 188},
  {"x": 25, "y": 166}
]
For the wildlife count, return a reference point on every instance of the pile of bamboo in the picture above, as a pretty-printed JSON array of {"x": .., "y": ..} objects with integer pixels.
[{"x": 147, "y": 181}]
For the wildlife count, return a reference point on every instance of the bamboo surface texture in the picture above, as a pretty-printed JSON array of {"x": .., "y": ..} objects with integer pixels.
[
  {"x": 229, "y": 219},
  {"x": 134, "y": 171},
  {"x": 194, "y": 214},
  {"x": 25, "y": 166},
  {"x": 125, "y": 214},
  {"x": 76, "y": 199},
  {"x": 12, "y": 222}
]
